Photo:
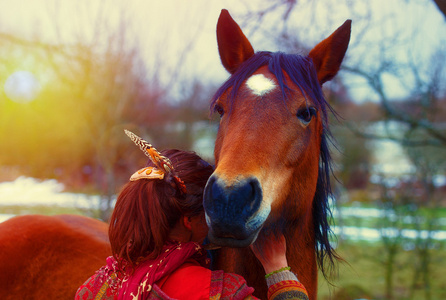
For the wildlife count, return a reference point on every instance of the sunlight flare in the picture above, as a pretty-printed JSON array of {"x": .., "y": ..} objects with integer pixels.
[{"x": 22, "y": 87}]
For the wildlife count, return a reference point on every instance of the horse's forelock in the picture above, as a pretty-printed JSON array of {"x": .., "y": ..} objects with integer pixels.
[{"x": 299, "y": 68}]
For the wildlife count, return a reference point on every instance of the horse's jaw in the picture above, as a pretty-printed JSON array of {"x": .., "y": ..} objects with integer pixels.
[{"x": 232, "y": 242}]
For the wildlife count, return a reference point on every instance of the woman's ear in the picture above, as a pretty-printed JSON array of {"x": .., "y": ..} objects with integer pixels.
[{"x": 187, "y": 222}]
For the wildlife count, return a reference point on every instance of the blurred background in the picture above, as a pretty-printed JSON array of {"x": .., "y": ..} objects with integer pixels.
[{"x": 74, "y": 74}]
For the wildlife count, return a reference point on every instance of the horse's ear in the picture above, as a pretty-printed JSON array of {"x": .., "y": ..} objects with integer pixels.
[
  {"x": 233, "y": 46},
  {"x": 327, "y": 55}
]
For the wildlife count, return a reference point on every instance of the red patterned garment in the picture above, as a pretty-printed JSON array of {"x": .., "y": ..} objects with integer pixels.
[
  {"x": 180, "y": 272},
  {"x": 192, "y": 281}
]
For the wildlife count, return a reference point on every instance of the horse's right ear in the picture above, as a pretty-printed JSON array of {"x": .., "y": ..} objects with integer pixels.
[
  {"x": 233, "y": 46},
  {"x": 328, "y": 55}
]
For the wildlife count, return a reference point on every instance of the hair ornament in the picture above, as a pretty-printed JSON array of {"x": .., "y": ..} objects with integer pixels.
[
  {"x": 163, "y": 165},
  {"x": 147, "y": 173}
]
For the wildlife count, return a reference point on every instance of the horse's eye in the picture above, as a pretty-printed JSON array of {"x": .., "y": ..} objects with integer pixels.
[
  {"x": 219, "y": 110},
  {"x": 306, "y": 114}
]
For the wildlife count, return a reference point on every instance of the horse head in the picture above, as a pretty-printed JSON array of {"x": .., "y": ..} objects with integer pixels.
[{"x": 270, "y": 151}]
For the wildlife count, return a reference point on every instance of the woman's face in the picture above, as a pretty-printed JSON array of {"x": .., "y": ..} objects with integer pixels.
[{"x": 199, "y": 228}]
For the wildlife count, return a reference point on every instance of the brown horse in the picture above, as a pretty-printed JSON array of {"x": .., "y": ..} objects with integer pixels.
[
  {"x": 272, "y": 159},
  {"x": 49, "y": 257}
]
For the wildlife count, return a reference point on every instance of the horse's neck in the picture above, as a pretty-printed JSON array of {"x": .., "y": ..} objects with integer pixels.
[
  {"x": 243, "y": 262},
  {"x": 300, "y": 255}
]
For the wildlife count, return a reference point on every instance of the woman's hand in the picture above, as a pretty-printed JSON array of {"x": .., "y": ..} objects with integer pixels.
[{"x": 270, "y": 250}]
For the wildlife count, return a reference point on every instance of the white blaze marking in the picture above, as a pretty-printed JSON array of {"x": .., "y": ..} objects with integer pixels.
[{"x": 260, "y": 85}]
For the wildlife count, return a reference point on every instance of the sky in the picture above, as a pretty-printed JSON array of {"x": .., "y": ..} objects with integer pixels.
[{"x": 162, "y": 30}]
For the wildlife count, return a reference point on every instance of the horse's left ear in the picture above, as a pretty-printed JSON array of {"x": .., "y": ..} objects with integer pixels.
[
  {"x": 328, "y": 55},
  {"x": 233, "y": 46}
]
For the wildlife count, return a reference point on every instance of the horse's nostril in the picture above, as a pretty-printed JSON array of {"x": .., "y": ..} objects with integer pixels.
[
  {"x": 249, "y": 195},
  {"x": 217, "y": 192},
  {"x": 256, "y": 194}
]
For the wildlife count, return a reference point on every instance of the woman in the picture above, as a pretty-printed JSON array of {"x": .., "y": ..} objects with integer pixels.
[{"x": 156, "y": 232}]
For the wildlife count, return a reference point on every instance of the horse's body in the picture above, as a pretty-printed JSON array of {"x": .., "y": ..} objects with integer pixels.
[
  {"x": 272, "y": 160},
  {"x": 49, "y": 257}
]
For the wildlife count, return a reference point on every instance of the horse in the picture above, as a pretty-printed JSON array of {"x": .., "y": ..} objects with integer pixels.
[
  {"x": 49, "y": 257},
  {"x": 272, "y": 157}
]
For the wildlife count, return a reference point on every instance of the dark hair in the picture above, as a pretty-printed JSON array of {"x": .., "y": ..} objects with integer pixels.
[{"x": 146, "y": 210}]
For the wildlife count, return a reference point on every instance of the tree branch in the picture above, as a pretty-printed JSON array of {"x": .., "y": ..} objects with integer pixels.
[
  {"x": 374, "y": 80},
  {"x": 387, "y": 137}
]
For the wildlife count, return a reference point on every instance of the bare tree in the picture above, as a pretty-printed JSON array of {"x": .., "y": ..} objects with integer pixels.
[{"x": 104, "y": 85}]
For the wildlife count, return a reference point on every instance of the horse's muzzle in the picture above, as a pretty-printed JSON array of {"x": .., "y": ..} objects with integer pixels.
[{"x": 232, "y": 211}]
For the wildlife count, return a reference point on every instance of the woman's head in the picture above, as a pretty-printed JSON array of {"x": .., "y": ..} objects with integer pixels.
[{"x": 147, "y": 209}]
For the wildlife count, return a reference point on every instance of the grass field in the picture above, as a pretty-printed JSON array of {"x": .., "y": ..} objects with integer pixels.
[
  {"x": 363, "y": 274},
  {"x": 366, "y": 267}
]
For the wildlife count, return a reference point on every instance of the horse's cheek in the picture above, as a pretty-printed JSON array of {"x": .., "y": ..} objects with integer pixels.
[
  {"x": 218, "y": 145},
  {"x": 299, "y": 149}
]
